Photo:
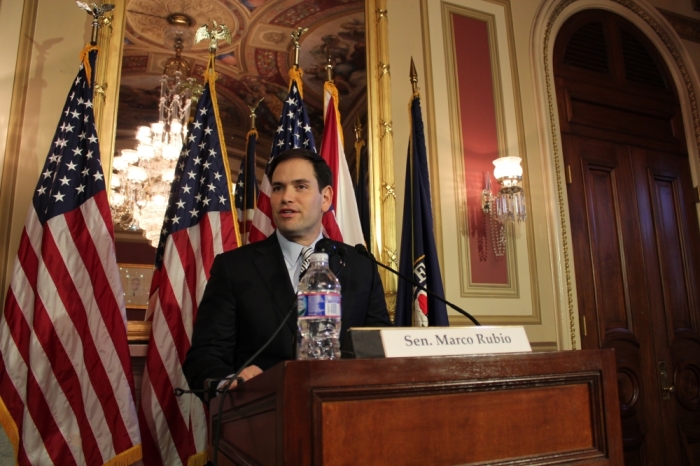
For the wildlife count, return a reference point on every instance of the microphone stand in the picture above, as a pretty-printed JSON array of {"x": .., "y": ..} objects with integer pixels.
[{"x": 362, "y": 250}]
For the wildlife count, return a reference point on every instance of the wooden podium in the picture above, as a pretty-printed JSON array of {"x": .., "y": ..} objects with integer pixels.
[{"x": 528, "y": 408}]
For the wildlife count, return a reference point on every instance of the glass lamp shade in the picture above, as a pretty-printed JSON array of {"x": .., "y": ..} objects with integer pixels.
[
  {"x": 507, "y": 167},
  {"x": 119, "y": 163},
  {"x": 136, "y": 174},
  {"x": 175, "y": 127},
  {"x": 157, "y": 128},
  {"x": 159, "y": 201},
  {"x": 143, "y": 134},
  {"x": 167, "y": 175},
  {"x": 129, "y": 156},
  {"x": 145, "y": 151},
  {"x": 117, "y": 199},
  {"x": 171, "y": 151}
]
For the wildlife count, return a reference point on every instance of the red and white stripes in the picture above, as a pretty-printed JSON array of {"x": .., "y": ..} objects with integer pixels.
[
  {"x": 66, "y": 379},
  {"x": 178, "y": 426}
]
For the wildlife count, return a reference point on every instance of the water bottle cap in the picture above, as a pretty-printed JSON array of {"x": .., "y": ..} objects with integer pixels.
[{"x": 319, "y": 257}]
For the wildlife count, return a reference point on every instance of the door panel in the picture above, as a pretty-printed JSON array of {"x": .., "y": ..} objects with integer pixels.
[
  {"x": 611, "y": 285},
  {"x": 672, "y": 250}
]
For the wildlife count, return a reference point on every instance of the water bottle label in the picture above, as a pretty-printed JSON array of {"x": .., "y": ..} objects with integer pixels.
[{"x": 318, "y": 305}]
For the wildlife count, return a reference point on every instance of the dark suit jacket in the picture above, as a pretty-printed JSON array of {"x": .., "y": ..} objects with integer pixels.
[{"x": 248, "y": 295}]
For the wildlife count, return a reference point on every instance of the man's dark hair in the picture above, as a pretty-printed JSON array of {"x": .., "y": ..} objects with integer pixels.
[{"x": 322, "y": 171}]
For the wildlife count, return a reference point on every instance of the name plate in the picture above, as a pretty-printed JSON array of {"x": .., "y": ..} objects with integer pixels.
[{"x": 452, "y": 341}]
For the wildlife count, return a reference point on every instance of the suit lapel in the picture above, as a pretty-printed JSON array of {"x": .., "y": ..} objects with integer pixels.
[{"x": 272, "y": 269}]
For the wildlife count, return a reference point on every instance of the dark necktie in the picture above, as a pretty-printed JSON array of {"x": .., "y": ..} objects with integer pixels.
[{"x": 305, "y": 256}]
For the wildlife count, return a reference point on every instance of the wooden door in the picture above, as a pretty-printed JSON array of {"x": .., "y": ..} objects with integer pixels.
[
  {"x": 635, "y": 235},
  {"x": 671, "y": 244}
]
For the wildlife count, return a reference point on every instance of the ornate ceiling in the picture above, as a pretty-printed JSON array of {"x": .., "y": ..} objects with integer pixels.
[{"x": 253, "y": 66}]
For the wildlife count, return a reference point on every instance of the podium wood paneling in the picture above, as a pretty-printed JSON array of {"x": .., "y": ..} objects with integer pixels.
[{"x": 535, "y": 408}]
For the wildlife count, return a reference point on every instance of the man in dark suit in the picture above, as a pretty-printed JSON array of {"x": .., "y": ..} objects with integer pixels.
[{"x": 252, "y": 289}]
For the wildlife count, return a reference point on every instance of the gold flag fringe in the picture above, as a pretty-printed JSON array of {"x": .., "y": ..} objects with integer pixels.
[
  {"x": 200, "y": 459},
  {"x": 85, "y": 58},
  {"x": 250, "y": 133},
  {"x": 8, "y": 424},
  {"x": 329, "y": 87},
  {"x": 295, "y": 75},
  {"x": 127, "y": 457},
  {"x": 210, "y": 76}
]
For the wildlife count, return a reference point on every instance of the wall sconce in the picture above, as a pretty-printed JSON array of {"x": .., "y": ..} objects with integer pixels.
[{"x": 509, "y": 204}]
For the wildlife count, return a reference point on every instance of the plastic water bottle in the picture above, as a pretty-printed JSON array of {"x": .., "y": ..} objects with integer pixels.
[{"x": 318, "y": 303}]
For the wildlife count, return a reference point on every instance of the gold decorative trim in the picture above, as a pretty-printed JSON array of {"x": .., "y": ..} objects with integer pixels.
[
  {"x": 380, "y": 140},
  {"x": 384, "y": 69},
  {"x": 14, "y": 141},
  {"x": 510, "y": 319},
  {"x": 386, "y": 128},
  {"x": 390, "y": 192},
  {"x": 551, "y": 103},
  {"x": 103, "y": 60},
  {"x": 687, "y": 28},
  {"x": 108, "y": 78},
  {"x": 392, "y": 258},
  {"x": 391, "y": 304},
  {"x": 556, "y": 151}
]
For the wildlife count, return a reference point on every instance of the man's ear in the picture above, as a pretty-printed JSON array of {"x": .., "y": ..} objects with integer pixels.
[{"x": 327, "y": 195}]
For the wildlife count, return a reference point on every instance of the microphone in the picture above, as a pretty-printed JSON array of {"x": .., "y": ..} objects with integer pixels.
[
  {"x": 362, "y": 250},
  {"x": 331, "y": 248}
]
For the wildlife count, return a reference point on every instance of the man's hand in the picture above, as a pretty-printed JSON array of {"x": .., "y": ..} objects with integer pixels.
[{"x": 246, "y": 374}]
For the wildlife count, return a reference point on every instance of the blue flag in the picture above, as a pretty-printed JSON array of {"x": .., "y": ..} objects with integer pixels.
[{"x": 418, "y": 257}]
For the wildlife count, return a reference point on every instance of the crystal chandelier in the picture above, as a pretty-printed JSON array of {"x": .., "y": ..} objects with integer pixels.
[
  {"x": 509, "y": 204},
  {"x": 142, "y": 177}
]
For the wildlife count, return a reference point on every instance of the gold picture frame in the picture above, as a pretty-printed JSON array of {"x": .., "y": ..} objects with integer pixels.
[{"x": 136, "y": 283}]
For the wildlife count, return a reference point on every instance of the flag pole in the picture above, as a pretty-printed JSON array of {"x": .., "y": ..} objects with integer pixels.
[
  {"x": 253, "y": 131},
  {"x": 414, "y": 77},
  {"x": 97, "y": 13},
  {"x": 359, "y": 142},
  {"x": 295, "y": 39}
]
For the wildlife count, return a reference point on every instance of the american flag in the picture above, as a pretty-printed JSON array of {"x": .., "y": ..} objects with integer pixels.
[
  {"x": 247, "y": 187},
  {"x": 294, "y": 131},
  {"x": 65, "y": 375},
  {"x": 342, "y": 221},
  {"x": 199, "y": 224}
]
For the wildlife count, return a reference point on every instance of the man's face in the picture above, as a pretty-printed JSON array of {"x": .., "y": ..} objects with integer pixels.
[{"x": 297, "y": 203}]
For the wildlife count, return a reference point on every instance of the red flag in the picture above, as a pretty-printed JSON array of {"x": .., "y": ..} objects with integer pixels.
[
  {"x": 200, "y": 222},
  {"x": 342, "y": 222},
  {"x": 66, "y": 384}
]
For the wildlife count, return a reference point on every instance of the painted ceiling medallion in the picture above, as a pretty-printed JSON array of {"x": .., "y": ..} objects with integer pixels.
[{"x": 149, "y": 20}]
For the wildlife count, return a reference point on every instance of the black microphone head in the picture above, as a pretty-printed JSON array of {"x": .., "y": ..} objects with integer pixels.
[
  {"x": 325, "y": 245},
  {"x": 362, "y": 250}
]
